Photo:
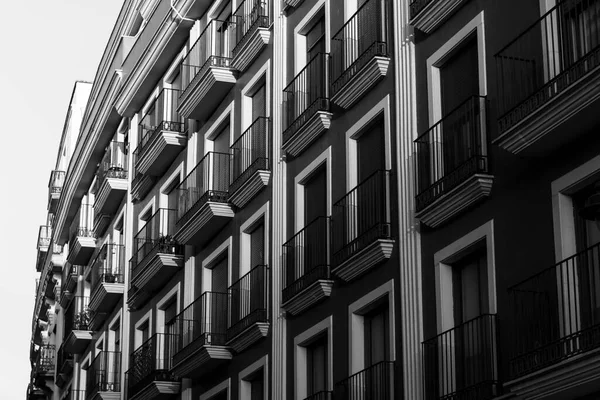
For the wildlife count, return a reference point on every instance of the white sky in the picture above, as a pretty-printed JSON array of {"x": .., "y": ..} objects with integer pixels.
[{"x": 45, "y": 45}]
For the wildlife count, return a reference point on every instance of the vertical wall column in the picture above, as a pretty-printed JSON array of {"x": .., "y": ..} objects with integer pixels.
[
  {"x": 409, "y": 238},
  {"x": 279, "y": 223}
]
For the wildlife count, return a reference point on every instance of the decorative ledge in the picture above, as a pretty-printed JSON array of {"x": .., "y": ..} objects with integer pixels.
[
  {"x": 251, "y": 49},
  {"x": 249, "y": 189},
  {"x": 160, "y": 153},
  {"x": 473, "y": 190},
  {"x": 249, "y": 336},
  {"x": 540, "y": 126},
  {"x": 82, "y": 249},
  {"x": 308, "y": 133},
  {"x": 158, "y": 390},
  {"x": 365, "y": 80},
  {"x": 140, "y": 187},
  {"x": 204, "y": 93},
  {"x": 106, "y": 396},
  {"x": 430, "y": 16},
  {"x": 307, "y": 298},
  {"x": 102, "y": 301},
  {"x": 77, "y": 341},
  {"x": 205, "y": 223},
  {"x": 564, "y": 379},
  {"x": 157, "y": 272},
  {"x": 109, "y": 196},
  {"x": 200, "y": 361},
  {"x": 363, "y": 261},
  {"x": 291, "y": 4}
]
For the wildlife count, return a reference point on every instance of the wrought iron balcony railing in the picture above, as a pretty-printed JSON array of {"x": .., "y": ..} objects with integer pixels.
[
  {"x": 161, "y": 116},
  {"x": 547, "y": 59},
  {"x": 77, "y": 316},
  {"x": 322, "y": 395},
  {"x": 373, "y": 383},
  {"x": 212, "y": 49},
  {"x": 250, "y": 152},
  {"x": 104, "y": 373},
  {"x": 361, "y": 217},
  {"x": 248, "y": 299},
  {"x": 363, "y": 37},
  {"x": 451, "y": 151},
  {"x": 462, "y": 363},
  {"x": 83, "y": 223},
  {"x": 109, "y": 265},
  {"x": 150, "y": 362},
  {"x": 45, "y": 360},
  {"x": 306, "y": 94},
  {"x": 249, "y": 16},
  {"x": 306, "y": 258},
  {"x": 44, "y": 238},
  {"x": 156, "y": 236},
  {"x": 57, "y": 180},
  {"x": 556, "y": 313},
  {"x": 208, "y": 181},
  {"x": 204, "y": 322},
  {"x": 113, "y": 164}
]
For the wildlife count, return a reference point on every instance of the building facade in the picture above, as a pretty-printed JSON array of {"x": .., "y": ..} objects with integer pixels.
[
  {"x": 234, "y": 214},
  {"x": 506, "y": 163}
]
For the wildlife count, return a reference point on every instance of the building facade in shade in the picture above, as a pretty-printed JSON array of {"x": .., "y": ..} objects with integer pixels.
[
  {"x": 506, "y": 193},
  {"x": 232, "y": 215}
]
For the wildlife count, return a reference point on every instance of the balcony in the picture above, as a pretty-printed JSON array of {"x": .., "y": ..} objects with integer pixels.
[
  {"x": 203, "y": 208},
  {"x": 199, "y": 335},
  {"x": 361, "y": 227},
  {"x": 452, "y": 166},
  {"x": 64, "y": 365},
  {"x": 71, "y": 274},
  {"x": 111, "y": 183},
  {"x": 107, "y": 282},
  {"x": 156, "y": 257},
  {"x": 250, "y": 163},
  {"x": 140, "y": 184},
  {"x": 44, "y": 366},
  {"x": 43, "y": 242},
  {"x": 82, "y": 239},
  {"x": 207, "y": 71},
  {"x": 428, "y": 15},
  {"x": 50, "y": 285},
  {"x": 55, "y": 185},
  {"x": 251, "y": 32},
  {"x": 77, "y": 325},
  {"x": 306, "y": 114},
  {"x": 556, "y": 327},
  {"x": 359, "y": 54},
  {"x": 462, "y": 363},
  {"x": 248, "y": 308},
  {"x": 103, "y": 378},
  {"x": 548, "y": 80},
  {"x": 163, "y": 135},
  {"x": 376, "y": 382},
  {"x": 148, "y": 376},
  {"x": 306, "y": 270}
]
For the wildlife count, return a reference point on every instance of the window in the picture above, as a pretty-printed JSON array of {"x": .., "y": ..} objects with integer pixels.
[
  {"x": 221, "y": 141},
  {"x": 458, "y": 75},
  {"x": 377, "y": 339},
  {"x": 170, "y": 310},
  {"x": 219, "y": 276},
  {"x": 469, "y": 286},
  {"x": 313, "y": 360},
  {"x": 144, "y": 330},
  {"x": 252, "y": 380},
  {"x": 315, "y": 38},
  {"x": 116, "y": 333},
  {"x": 316, "y": 364},
  {"x": 259, "y": 102},
  {"x": 371, "y": 149},
  {"x": 257, "y": 245},
  {"x": 315, "y": 195}
]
